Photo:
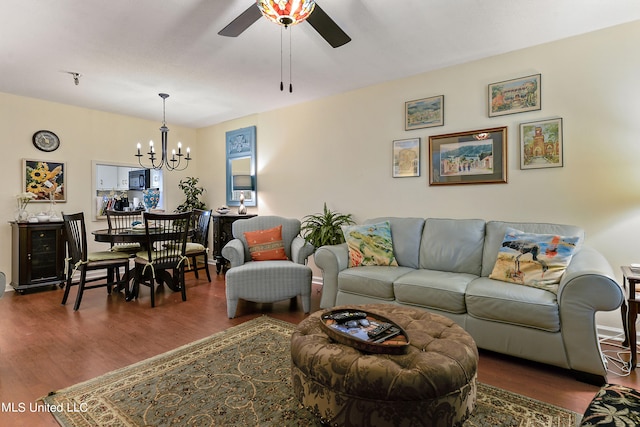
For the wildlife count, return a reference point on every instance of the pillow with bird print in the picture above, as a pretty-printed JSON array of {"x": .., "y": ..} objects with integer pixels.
[{"x": 537, "y": 260}]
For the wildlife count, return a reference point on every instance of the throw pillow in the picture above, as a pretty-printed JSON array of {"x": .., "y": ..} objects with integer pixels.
[
  {"x": 537, "y": 260},
  {"x": 369, "y": 244},
  {"x": 266, "y": 245}
]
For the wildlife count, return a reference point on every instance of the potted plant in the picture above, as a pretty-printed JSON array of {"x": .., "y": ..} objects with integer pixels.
[
  {"x": 192, "y": 193},
  {"x": 324, "y": 229}
]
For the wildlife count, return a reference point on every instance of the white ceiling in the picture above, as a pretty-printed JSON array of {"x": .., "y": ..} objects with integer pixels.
[{"x": 129, "y": 51}]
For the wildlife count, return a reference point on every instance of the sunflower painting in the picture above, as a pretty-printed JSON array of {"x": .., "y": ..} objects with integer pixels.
[{"x": 45, "y": 179}]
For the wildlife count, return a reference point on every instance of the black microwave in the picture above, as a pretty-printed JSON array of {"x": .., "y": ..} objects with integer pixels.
[{"x": 140, "y": 179}]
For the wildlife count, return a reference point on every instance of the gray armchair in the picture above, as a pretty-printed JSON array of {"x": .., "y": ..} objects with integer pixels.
[{"x": 267, "y": 281}]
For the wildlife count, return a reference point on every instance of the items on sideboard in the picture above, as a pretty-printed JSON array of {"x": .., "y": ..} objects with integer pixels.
[
  {"x": 222, "y": 233},
  {"x": 38, "y": 254},
  {"x": 242, "y": 183}
]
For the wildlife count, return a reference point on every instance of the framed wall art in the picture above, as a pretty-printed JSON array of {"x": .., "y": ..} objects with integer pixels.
[
  {"x": 424, "y": 113},
  {"x": 515, "y": 96},
  {"x": 45, "y": 179},
  {"x": 541, "y": 144},
  {"x": 406, "y": 158},
  {"x": 474, "y": 157}
]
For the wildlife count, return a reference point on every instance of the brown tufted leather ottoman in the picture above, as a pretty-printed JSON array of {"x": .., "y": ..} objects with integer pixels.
[{"x": 433, "y": 384}]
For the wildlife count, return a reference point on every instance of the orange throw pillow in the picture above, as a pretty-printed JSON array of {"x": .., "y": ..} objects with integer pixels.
[{"x": 266, "y": 245}]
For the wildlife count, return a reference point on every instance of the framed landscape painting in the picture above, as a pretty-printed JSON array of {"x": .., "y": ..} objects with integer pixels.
[
  {"x": 515, "y": 96},
  {"x": 474, "y": 157},
  {"x": 406, "y": 158},
  {"x": 541, "y": 144},
  {"x": 44, "y": 179},
  {"x": 424, "y": 113}
]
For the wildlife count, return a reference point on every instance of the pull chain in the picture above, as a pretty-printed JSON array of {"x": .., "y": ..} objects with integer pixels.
[
  {"x": 290, "y": 63},
  {"x": 282, "y": 62},
  {"x": 281, "y": 83}
]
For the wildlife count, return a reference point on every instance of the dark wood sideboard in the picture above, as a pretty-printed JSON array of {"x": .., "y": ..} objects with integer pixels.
[
  {"x": 222, "y": 233},
  {"x": 38, "y": 253}
]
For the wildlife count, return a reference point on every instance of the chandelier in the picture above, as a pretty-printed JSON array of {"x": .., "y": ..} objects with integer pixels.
[
  {"x": 175, "y": 161},
  {"x": 286, "y": 13}
]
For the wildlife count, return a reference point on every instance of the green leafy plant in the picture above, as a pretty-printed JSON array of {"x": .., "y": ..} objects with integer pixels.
[
  {"x": 324, "y": 229},
  {"x": 192, "y": 193}
]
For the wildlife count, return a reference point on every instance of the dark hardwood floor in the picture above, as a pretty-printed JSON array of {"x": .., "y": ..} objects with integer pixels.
[{"x": 45, "y": 346}]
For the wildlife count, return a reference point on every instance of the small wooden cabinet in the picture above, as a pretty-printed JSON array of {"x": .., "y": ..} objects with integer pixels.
[
  {"x": 38, "y": 253},
  {"x": 222, "y": 233}
]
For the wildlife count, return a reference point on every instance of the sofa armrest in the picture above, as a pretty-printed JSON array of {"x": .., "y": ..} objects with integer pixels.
[
  {"x": 587, "y": 286},
  {"x": 331, "y": 260},
  {"x": 300, "y": 250},
  {"x": 234, "y": 252}
]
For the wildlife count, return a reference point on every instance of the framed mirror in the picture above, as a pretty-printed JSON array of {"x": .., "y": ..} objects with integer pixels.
[{"x": 241, "y": 167}]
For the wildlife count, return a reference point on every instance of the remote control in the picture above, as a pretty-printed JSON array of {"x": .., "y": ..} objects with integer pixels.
[
  {"x": 392, "y": 332},
  {"x": 345, "y": 316},
  {"x": 379, "y": 330}
]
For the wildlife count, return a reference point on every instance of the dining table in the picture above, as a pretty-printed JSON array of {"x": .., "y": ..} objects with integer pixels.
[{"x": 135, "y": 235}]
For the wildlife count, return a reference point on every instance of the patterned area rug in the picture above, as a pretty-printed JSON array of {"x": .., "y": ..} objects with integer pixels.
[{"x": 241, "y": 377}]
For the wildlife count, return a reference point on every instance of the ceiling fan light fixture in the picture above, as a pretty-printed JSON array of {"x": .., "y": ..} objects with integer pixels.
[{"x": 288, "y": 12}]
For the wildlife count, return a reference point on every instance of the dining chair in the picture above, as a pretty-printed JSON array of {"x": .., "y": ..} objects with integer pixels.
[
  {"x": 199, "y": 244},
  {"x": 166, "y": 241},
  {"x": 121, "y": 221},
  {"x": 81, "y": 260}
]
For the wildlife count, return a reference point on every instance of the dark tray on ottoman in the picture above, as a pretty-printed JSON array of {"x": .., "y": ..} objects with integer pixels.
[{"x": 357, "y": 328}]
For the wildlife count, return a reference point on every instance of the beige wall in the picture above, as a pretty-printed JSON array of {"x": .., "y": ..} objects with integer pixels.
[
  {"x": 338, "y": 149},
  {"x": 85, "y": 136}
]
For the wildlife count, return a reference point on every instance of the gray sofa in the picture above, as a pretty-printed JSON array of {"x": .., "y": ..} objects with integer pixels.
[{"x": 444, "y": 267}]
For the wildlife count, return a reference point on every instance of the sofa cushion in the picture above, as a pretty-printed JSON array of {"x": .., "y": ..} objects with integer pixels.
[
  {"x": 453, "y": 245},
  {"x": 266, "y": 245},
  {"x": 372, "y": 281},
  {"x": 498, "y": 301},
  {"x": 433, "y": 289},
  {"x": 495, "y": 231},
  {"x": 369, "y": 244},
  {"x": 406, "y": 234},
  {"x": 533, "y": 259}
]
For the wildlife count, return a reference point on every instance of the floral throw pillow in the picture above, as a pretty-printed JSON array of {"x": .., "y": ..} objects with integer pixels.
[
  {"x": 537, "y": 260},
  {"x": 369, "y": 244},
  {"x": 266, "y": 245}
]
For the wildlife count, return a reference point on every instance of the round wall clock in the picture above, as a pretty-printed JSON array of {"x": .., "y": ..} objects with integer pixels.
[{"x": 46, "y": 140}]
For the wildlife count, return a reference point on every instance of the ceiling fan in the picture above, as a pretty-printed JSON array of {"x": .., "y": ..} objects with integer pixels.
[{"x": 318, "y": 19}]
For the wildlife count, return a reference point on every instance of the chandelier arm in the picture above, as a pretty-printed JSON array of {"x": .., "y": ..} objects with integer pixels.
[{"x": 164, "y": 161}]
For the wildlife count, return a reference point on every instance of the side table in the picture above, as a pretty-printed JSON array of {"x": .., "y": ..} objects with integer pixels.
[
  {"x": 629, "y": 310},
  {"x": 38, "y": 252},
  {"x": 222, "y": 233}
]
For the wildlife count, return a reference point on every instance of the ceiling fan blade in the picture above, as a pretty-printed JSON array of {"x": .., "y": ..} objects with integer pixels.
[
  {"x": 242, "y": 22},
  {"x": 327, "y": 28}
]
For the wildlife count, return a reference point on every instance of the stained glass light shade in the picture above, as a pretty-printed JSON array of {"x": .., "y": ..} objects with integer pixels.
[{"x": 286, "y": 13}]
